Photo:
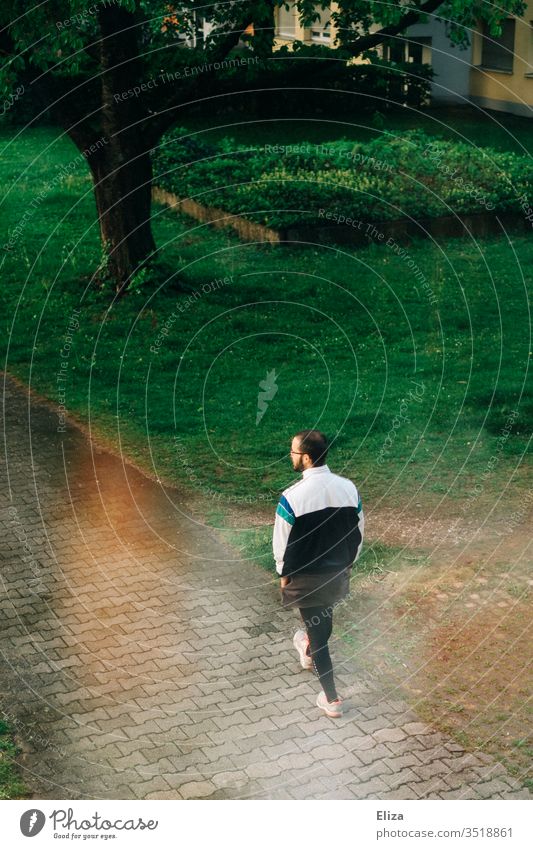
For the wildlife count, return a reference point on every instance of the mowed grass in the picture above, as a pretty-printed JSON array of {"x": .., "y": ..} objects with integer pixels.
[{"x": 415, "y": 395}]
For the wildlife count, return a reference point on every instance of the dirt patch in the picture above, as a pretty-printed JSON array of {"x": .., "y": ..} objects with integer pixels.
[{"x": 452, "y": 635}]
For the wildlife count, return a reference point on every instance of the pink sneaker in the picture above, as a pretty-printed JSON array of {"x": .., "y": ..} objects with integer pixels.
[
  {"x": 333, "y": 709},
  {"x": 300, "y": 642}
]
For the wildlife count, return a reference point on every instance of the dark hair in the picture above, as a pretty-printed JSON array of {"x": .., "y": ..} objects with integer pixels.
[{"x": 314, "y": 443}]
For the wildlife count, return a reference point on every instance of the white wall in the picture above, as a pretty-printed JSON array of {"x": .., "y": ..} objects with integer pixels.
[{"x": 451, "y": 64}]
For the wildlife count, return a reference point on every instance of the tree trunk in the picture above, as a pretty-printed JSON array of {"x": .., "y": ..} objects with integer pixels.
[{"x": 123, "y": 188}]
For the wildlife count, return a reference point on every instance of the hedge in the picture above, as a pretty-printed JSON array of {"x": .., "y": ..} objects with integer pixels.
[{"x": 389, "y": 178}]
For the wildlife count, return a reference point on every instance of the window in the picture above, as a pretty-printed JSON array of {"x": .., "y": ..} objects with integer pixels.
[
  {"x": 497, "y": 51},
  {"x": 419, "y": 50},
  {"x": 287, "y": 21},
  {"x": 395, "y": 49},
  {"x": 402, "y": 49},
  {"x": 529, "y": 65},
  {"x": 321, "y": 28}
]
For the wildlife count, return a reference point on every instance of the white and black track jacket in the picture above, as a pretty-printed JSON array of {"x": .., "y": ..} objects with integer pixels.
[{"x": 319, "y": 524}]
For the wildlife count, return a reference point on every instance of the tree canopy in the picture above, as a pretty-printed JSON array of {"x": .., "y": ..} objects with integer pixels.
[{"x": 114, "y": 73}]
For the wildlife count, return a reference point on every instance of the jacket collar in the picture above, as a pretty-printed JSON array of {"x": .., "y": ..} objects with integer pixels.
[{"x": 315, "y": 470}]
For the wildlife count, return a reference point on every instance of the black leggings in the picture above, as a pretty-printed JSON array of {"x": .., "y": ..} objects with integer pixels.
[{"x": 319, "y": 623}]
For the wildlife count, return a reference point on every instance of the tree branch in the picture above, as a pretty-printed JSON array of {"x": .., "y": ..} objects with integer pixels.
[
  {"x": 157, "y": 124},
  {"x": 366, "y": 42}
]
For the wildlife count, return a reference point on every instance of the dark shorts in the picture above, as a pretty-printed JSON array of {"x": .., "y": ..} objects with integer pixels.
[{"x": 313, "y": 589}]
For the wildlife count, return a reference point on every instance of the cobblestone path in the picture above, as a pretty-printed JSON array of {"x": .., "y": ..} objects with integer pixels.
[{"x": 145, "y": 662}]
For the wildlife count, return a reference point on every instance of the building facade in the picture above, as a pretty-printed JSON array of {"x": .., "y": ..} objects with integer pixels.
[
  {"x": 501, "y": 76},
  {"x": 492, "y": 72}
]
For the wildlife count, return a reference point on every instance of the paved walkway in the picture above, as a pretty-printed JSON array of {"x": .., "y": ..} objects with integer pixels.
[{"x": 146, "y": 662}]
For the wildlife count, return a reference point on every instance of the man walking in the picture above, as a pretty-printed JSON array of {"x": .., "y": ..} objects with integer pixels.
[{"x": 318, "y": 535}]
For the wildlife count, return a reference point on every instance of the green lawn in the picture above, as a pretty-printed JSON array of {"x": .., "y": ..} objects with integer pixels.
[{"x": 416, "y": 394}]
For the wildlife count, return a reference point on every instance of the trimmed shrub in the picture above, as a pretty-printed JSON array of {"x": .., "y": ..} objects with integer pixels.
[{"x": 416, "y": 175}]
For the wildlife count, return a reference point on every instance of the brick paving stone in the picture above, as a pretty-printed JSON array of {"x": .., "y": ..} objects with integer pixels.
[
  {"x": 339, "y": 793},
  {"x": 287, "y": 747},
  {"x": 389, "y": 735},
  {"x": 196, "y": 789},
  {"x": 450, "y": 794},
  {"x": 453, "y": 746},
  {"x": 401, "y": 761},
  {"x": 297, "y": 760},
  {"x": 367, "y": 726},
  {"x": 416, "y": 728},
  {"x": 518, "y": 794},
  {"x": 328, "y": 753},
  {"x": 286, "y": 723},
  {"x": 398, "y": 779},
  {"x": 239, "y": 761},
  {"x": 224, "y": 749},
  {"x": 298, "y": 733},
  {"x": 231, "y": 778},
  {"x": 451, "y": 780},
  {"x": 410, "y": 744},
  {"x": 170, "y": 794},
  {"x": 347, "y": 761},
  {"x": 336, "y": 730},
  {"x": 490, "y": 789},
  {"x": 253, "y": 742},
  {"x": 459, "y": 763},
  {"x": 155, "y": 784},
  {"x": 491, "y": 770},
  {"x": 308, "y": 742},
  {"x": 360, "y": 743},
  {"x": 433, "y": 740},
  {"x": 400, "y": 793},
  {"x": 264, "y": 769},
  {"x": 484, "y": 758},
  {"x": 309, "y": 790},
  {"x": 148, "y": 680},
  {"x": 379, "y": 767}
]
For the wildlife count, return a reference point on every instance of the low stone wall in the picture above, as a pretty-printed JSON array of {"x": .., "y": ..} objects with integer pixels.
[
  {"x": 403, "y": 230},
  {"x": 358, "y": 232},
  {"x": 248, "y": 231}
]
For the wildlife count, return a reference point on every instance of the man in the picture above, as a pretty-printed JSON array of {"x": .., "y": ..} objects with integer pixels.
[{"x": 318, "y": 535}]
